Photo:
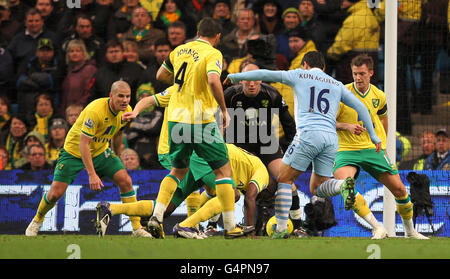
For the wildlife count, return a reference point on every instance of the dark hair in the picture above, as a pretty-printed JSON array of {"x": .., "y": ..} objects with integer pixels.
[
  {"x": 162, "y": 42},
  {"x": 209, "y": 27},
  {"x": 7, "y": 102},
  {"x": 362, "y": 59},
  {"x": 314, "y": 59},
  {"x": 32, "y": 11},
  {"x": 178, "y": 24},
  {"x": 45, "y": 96},
  {"x": 114, "y": 43},
  {"x": 83, "y": 16}
]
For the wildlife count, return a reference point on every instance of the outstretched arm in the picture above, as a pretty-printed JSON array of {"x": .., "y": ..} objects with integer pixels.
[{"x": 264, "y": 75}]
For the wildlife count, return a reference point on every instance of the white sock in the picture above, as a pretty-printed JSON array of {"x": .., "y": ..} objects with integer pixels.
[
  {"x": 159, "y": 210},
  {"x": 408, "y": 226},
  {"x": 370, "y": 218},
  {"x": 330, "y": 188},
  {"x": 283, "y": 202},
  {"x": 228, "y": 220}
]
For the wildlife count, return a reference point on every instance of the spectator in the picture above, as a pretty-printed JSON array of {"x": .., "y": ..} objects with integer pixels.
[
  {"x": 176, "y": 34},
  {"x": 130, "y": 51},
  {"x": 72, "y": 112},
  {"x": 57, "y": 135},
  {"x": 49, "y": 14},
  {"x": 114, "y": 69},
  {"x": 269, "y": 17},
  {"x": 162, "y": 51},
  {"x": 308, "y": 17},
  {"x": 80, "y": 71},
  {"x": 5, "y": 111},
  {"x": 291, "y": 19},
  {"x": 120, "y": 22},
  {"x": 143, "y": 133},
  {"x": 222, "y": 13},
  {"x": 24, "y": 44},
  {"x": 439, "y": 159},
  {"x": 6, "y": 165},
  {"x": 37, "y": 159},
  {"x": 12, "y": 138},
  {"x": 9, "y": 25},
  {"x": 143, "y": 33},
  {"x": 43, "y": 114},
  {"x": 42, "y": 73},
  {"x": 84, "y": 31},
  {"x": 32, "y": 138},
  {"x": 427, "y": 143},
  {"x": 299, "y": 43},
  {"x": 351, "y": 41},
  {"x": 171, "y": 11},
  {"x": 232, "y": 45},
  {"x": 199, "y": 9},
  {"x": 260, "y": 50},
  {"x": 130, "y": 159}
]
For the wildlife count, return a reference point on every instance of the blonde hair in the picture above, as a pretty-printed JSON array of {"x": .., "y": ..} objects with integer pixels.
[
  {"x": 120, "y": 84},
  {"x": 80, "y": 44},
  {"x": 129, "y": 151}
]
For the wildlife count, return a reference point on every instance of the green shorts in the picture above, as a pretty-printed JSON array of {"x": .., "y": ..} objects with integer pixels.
[
  {"x": 68, "y": 166},
  {"x": 205, "y": 139},
  {"x": 199, "y": 174},
  {"x": 368, "y": 159}
]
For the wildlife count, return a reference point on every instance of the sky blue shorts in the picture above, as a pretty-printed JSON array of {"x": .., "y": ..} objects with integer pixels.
[{"x": 317, "y": 147}]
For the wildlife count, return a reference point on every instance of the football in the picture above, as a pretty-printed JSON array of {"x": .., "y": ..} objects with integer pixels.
[{"x": 272, "y": 224}]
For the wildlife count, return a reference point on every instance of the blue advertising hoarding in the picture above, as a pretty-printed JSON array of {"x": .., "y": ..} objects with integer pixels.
[{"x": 21, "y": 192}]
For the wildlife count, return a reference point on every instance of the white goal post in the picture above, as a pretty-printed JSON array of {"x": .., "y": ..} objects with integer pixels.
[{"x": 390, "y": 88}]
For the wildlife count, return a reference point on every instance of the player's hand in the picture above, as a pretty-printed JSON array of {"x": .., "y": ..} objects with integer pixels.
[
  {"x": 355, "y": 129},
  {"x": 378, "y": 147},
  {"x": 227, "y": 81},
  {"x": 95, "y": 183},
  {"x": 128, "y": 116},
  {"x": 226, "y": 119}
]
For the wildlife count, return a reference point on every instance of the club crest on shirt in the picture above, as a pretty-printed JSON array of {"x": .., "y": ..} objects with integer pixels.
[
  {"x": 89, "y": 123},
  {"x": 265, "y": 103},
  {"x": 375, "y": 102}
]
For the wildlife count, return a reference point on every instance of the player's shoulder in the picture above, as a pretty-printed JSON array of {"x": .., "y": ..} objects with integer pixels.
[
  {"x": 377, "y": 91},
  {"x": 97, "y": 106}
]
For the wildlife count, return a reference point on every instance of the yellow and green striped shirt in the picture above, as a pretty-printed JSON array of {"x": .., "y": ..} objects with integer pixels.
[
  {"x": 375, "y": 101},
  {"x": 190, "y": 64},
  {"x": 98, "y": 122}
]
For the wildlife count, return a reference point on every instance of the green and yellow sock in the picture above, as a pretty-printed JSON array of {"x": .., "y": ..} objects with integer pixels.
[
  {"x": 44, "y": 207},
  {"x": 404, "y": 207},
  {"x": 130, "y": 197},
  {"x": 143, "y": 208},
  {"x": 193, "y": 203},
  {"x": 166, "y": 190},
  {"x": 225, "y": 194},
  {"x": 208, "y": 210},
  {"x": 360, "y": 206}
]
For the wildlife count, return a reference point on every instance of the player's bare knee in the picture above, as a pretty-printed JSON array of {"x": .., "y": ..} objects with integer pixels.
[{"x": 399, "y": 192}]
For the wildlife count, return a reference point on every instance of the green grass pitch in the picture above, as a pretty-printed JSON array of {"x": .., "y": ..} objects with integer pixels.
[{"x": 127, "y": 247}]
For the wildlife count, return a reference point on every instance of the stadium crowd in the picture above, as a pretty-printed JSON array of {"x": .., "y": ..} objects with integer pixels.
[{"x": 55, "y": 59}]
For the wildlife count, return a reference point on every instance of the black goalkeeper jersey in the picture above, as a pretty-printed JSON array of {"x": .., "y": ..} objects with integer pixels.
[{"x": 254, "y": 115}]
